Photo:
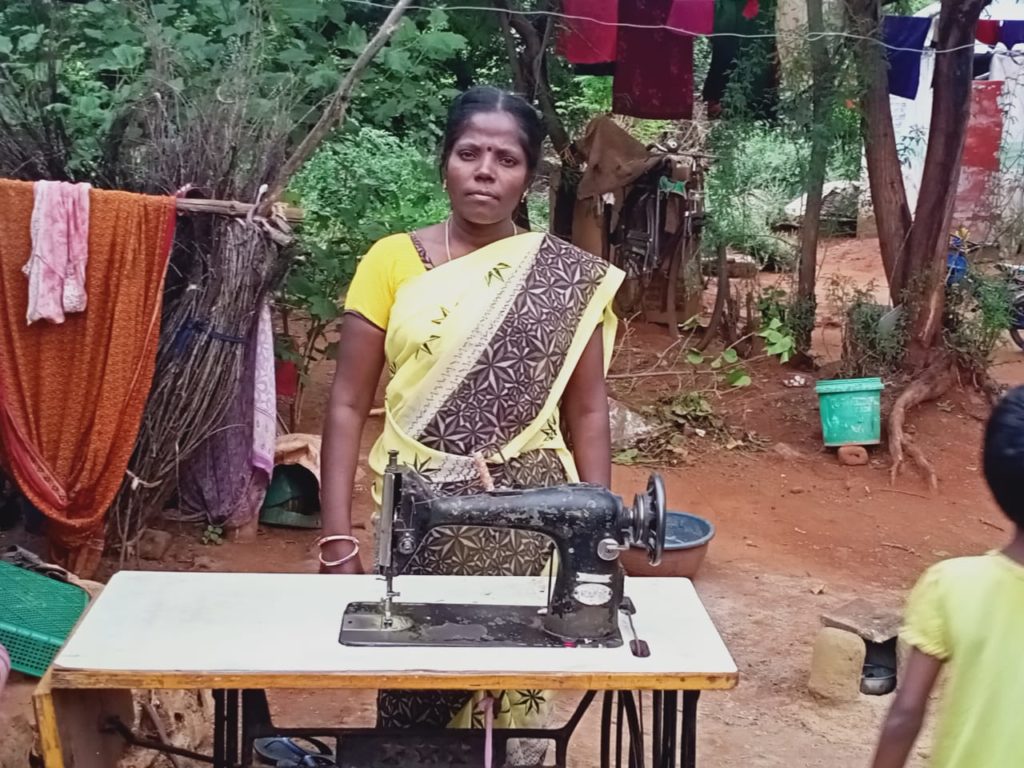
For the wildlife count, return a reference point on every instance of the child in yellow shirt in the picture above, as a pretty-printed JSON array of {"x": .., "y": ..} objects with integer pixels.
[{"x": 965, "y": 617}]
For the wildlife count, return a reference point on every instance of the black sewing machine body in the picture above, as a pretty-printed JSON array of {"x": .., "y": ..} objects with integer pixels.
[{"x": 588, "y": 527}]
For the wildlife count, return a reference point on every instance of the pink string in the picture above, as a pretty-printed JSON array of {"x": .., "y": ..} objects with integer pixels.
[
  {"x": 5, "y": 668},
  {"x": 486, "y": 706}
]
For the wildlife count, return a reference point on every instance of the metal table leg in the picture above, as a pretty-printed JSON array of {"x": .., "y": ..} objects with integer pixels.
[
  {"x": 219, "y": 756},
  {"x": 688, "y": 747},
  {"x": 606, "y": 730},
  {"x": 657, "y": 721}
]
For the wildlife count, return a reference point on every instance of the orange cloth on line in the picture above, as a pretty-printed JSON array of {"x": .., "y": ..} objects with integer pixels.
[{"x": 72, "y": 395}]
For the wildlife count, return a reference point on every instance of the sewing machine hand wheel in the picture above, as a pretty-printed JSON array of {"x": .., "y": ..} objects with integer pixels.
[{"x": 649, "y": 519}]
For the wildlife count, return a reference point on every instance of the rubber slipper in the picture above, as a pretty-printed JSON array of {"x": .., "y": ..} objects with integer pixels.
[
  {"x": 272, "y": 750},
  {"x": 309, "y": 761}
]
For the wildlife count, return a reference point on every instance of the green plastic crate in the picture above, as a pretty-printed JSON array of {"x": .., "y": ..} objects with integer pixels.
[
  {"x": 851, "y": 411},
  {"x": 37, "y": 614}
]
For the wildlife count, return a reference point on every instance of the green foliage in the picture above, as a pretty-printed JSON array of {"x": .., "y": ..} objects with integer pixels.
[
  {"x": 978, "y": 311},
  {"x": 212, "y": 534},
  {"x": 779, "y": 341},
  {"x": 874, "y": 335},
  {"x": 107, "y": 90},
  {"x": 582, "y": 98},
  {"x": 358, "y": 187},
  {"x": 756, "y": 172}
]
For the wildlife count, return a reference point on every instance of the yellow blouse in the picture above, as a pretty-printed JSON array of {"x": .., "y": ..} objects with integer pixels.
[{"x": 381, "y": 272}]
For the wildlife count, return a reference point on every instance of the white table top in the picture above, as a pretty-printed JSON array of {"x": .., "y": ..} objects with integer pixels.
[{"x": 228, "y": 630}]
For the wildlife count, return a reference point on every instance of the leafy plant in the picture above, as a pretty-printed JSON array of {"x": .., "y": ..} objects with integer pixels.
[
  {"x": 779, "y": 341},
  {"x": 212, "y": 534}
]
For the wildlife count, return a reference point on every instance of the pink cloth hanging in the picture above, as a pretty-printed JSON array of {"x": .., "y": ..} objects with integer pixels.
[
  {"x": 588, "y": 36},
  {"x": 692, "y": 17},
  {"x": 264, "y": 420},
  {"x": 60, "y": 251}
]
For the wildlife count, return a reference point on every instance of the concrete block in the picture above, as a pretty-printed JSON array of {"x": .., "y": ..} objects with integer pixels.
[
  {"x": 872, "y": 622},
  {"x": 837, "y": 665}
]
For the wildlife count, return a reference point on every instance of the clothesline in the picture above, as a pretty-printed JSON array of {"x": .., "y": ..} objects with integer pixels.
[{"x": 810, "y": 37}]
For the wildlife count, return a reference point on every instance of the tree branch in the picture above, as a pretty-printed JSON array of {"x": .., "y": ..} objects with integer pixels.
[
  {"x": 535, "y": 50},
  {"x": 334, "y": 115}
]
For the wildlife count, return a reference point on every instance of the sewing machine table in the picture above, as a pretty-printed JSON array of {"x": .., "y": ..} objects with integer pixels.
[{"x": 254, "y": 632}]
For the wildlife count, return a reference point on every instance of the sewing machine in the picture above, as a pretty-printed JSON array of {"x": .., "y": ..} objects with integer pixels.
[{"x": 588, "y": 526}]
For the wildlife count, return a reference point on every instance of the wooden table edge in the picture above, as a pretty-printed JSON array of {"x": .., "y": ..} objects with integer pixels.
[{"x": 119, "y": 679}]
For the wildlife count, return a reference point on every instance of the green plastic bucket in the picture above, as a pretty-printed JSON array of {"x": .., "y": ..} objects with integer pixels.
[{"x": 851, "y": 411}]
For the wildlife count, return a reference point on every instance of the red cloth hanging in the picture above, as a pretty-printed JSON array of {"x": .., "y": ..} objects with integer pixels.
[
  {"x": 590, "y": 37},
  {"x": 654, "y": 67},
  {"x": 987, "y": 31},
  {"x": 694, "y": 17},
  {"x": 751, "y": 9}
]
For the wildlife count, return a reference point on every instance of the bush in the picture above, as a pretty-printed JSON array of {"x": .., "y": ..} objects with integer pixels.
[
  {"x": 363, "y": 186},
  {"x": 978, "y": 311},
  {"x": 871, "y": 346},
  {"x": 357, "y": 188}
]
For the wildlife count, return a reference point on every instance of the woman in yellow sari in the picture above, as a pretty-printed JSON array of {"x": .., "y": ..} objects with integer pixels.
[{"x": 497, "y": 341}]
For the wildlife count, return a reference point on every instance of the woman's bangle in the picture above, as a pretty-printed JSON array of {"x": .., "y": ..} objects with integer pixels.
[{"x": 337, "y": 537}]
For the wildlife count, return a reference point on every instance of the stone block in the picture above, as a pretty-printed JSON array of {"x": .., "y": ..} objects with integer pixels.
[
  {"x": 153, "y": 544},
  {"x": 870, "y": 621},
  {"x": 853, "y": 456},
  {"x": 837, "y": 665}
]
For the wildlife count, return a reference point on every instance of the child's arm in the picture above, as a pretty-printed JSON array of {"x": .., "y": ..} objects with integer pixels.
[{"x": 908, "y": 710}]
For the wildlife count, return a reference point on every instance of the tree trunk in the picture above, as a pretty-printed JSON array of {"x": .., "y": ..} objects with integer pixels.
[
  {"x": 929, "y": 235},
  {"x": 816, "y": 168},
  {"x": 530, "y": 67},
  {"x": 885, "y": 175}
]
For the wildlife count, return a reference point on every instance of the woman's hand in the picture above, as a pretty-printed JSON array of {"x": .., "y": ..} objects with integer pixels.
[
  {"x": 332, "y": 551},
  {"x": 360, "y": 360},
  {"x": 353, "y": 567},
  {"x": 585, "y": 408}
]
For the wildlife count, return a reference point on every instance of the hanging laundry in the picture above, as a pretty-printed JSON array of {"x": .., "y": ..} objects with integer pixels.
[
  {"x": 654, "y": 68},
  {"x": 226, "y": 479},
  {"x": 744, "y": 60},
  {"x": 1011, "y": 33},
  {"x": 1008, "y": 67},
  {"x": 904, "y": 38},
  {"x": 60, "y": 251},
  {"x": 71, "y": 398},
  {"x": 589, "y": 33},
  {"x": 693, "y": 17},
  {"x": 987, "y": 31}
]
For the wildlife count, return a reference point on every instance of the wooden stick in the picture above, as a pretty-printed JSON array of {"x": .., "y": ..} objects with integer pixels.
[
  {"x": 231, "y": 208},
  {"x": 983, "y": 521},
  {"x": 899, "y": 546},
  {"x": 905, "y": 493},
  {"x": 334, "y": 115}
]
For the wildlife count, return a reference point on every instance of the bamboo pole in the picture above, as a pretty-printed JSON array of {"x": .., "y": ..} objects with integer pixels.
[{"x": 232, "y": 208}]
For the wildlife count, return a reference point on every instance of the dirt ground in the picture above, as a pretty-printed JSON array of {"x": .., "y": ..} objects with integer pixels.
[{"x": 795, "y": 537}]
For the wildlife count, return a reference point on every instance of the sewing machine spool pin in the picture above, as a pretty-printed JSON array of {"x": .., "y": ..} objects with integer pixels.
[{"x": 588, "y": 527}]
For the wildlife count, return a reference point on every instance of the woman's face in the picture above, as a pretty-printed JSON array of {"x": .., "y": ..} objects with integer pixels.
[{"x": 486, "y": 171}]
